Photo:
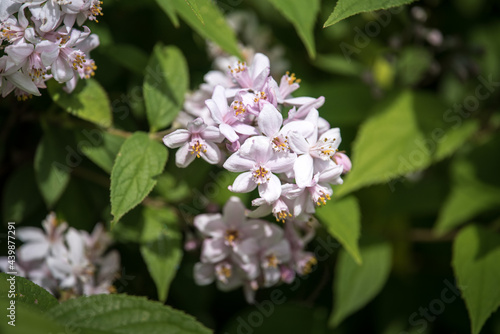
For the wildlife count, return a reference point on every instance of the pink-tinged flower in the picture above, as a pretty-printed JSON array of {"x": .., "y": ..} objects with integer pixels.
[
  {"x": 102, "y": 282},
  {"x": 288, "y": 85},
  {"x": 38, "y": 242},
  {"x": 314, "y": 153},
  {"x": 343, "y": 160},
  {"x": 254, "y": 101},
  {"x": 257, "y": 157},
  {"x": 229, "y": 119},
  {"x": 13, "y": 30},
  {"x": 274, "y": 251},
  {"x": 270, "y": 121},
  {"x": 253, "y": 77},
  {"x": 229, "y": 234},
  {"x": 8, "y": 7},
  {"x": 304, "y": 110},
  {"x": 197, "y": 141},
  {"x": 279, "y": 208},
  {"x": 318, "y": 190}
]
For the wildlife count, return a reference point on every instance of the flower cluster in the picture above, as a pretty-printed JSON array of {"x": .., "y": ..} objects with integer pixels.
[
  {"x": 39, "y": 42},
  {"x": 292, "y": 161},
  {"x": 251, "y": 253},
  {"x": 66, "y": 261},
  {"x": 236, "y": 120}
]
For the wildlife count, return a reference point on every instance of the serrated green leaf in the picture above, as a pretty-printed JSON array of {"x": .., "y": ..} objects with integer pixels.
[
  {"x": 468, "y": 198},
  {"x": 88, "y": 101},
  {"x": 100, "y": 147},
  {"x": 162, "y": 254},
  {"x": 214, "y": 27},
  {"x": 476, "y": 254},
  {"x": 389, "y": 143},
  {"x": 51, "y": 169},
  {"x": 165, "y": 83},
  {"x": 125, "y": 314},
  {"x": 302, "y": 14},
  {"x": 195, "y": 9},
  {"x": 20, "y": 196},
  {"x": 26, "y": 293},
  {"x": 134, "y": 173},
  {"x": 345, "y": 8},
  {"x": 355, "y": 285},
  {"x": 343, "y": 221}
]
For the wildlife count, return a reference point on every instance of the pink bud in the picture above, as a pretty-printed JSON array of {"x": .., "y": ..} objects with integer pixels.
[
  {"x": 287, "y": 274},
  {"x": 343, "y": 160}
]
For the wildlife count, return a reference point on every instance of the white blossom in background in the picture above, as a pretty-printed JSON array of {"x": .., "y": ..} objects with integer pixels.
[
  {"x": 44, "y": 39},
  {"x": 66, "y": 261}
]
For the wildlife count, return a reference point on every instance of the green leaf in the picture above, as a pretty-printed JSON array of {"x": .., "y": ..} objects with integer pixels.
[
  {"x": 26, "y": 293},
  {"x": 134, "y": 173},
  {"x": 100, "y": 147},
  {"x": 165, "y": 84},
  {"x": 125, "y": 314},
  {"x": 127, "y": 55},
  {"x": 214, "y": 27},
  {"x": 51, "y": 169},
  {"x": 88, "y": 101},
  {"x": 345, "y": 8},
  {"x": 389, "y": 143},
  {"x": 163, "y": 254},
  {"x": 195, "y": 9},
  {"x": 455, "y": 138},
  {"x": 468, "y": 198},
  {"x": 302, "y": 14},
  {"x": 343, "y": 221},
  {"x": 169, "y": 8},
  {"x": 32, "y": 322},
  {"x": 20, "y": 196},
  {"x": 476, "y": 254},
  {"x": 355, "y": 285}
]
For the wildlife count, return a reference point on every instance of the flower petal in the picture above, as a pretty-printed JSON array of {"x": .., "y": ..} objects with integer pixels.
[
  {"x": 281, "y": 162},
  {"x": 235, "y": 163},
  {"x": 303, "y": 169},
  {"x": 210, "y": 225},
  {"x": 271, "y": 190},
  {"x": 243, "y": 183},
  {"x": 212, "y": 154},
  {"x": 269, "y": 120},
  {"x": 183, "y": 157},
  {"x": 176, "y": 138},
  {"x": 214, "y": 250},
  {"x": 298, "y": 143},
  {"x": 234, "y": 212},
  {"x": 228, "y": 132},
  {"x": 203, "y": 273}
]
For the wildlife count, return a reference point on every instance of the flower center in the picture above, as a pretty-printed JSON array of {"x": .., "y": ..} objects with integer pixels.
[
  {"x": 307, "y": 268},
  {"x": 240, "y": 67},
  {"x": 319, "y": 195},
  {"x": 95, "y": 10},
  {"x": 197, "y": 147},
  {"x": 282, "y": 215},
  {"x": 231, "y": 236},
  {"x": 280, "y": 143},
  {"x": 272, "y": 261},
  {"x": 223, "y": 272},
  {"x": 238, "y": 108},
  {"x": 260, "y": 175},
  {"x": 259, "y": 96},
  {"x": 291, "y": 78},
  {"x": 324, "y": 149}
]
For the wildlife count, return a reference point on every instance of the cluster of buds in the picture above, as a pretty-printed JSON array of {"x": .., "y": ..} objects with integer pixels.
[
  {"x": 65, "y": 261},
  {"x": 39, "y": 42},
  {"x": 236, "y": 120}
]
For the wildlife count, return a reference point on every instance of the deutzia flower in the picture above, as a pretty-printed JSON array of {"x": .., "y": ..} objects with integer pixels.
[
  {"x": 195, "y": 142},
  {"x": 257, "y": 159}
]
